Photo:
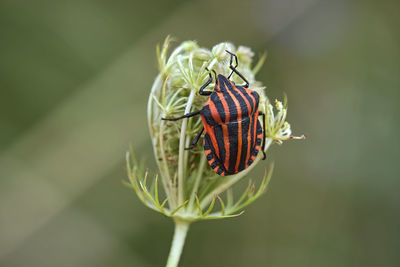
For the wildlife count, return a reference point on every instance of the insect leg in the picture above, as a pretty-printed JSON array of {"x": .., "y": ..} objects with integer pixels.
[
  {"x": 195, "y": 140},
  {"x": 201, "y": 92},
  {"x": 234, "y": 70},
  {"x": 263, "y": 141},
  {"x": 191, "y": 114}
]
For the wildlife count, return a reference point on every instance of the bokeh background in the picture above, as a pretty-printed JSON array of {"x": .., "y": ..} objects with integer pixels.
[{"x": 74, "y": 81}]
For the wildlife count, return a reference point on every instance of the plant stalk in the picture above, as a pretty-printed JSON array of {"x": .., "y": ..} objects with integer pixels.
[
  {"x": 182, "y": 150},
  {"x": 181, "y": 228}
]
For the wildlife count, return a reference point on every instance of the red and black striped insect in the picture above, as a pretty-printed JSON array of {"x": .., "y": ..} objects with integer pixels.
[{"x": 233, "y": 134}]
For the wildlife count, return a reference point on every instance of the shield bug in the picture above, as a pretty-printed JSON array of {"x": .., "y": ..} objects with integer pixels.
[{"x": 233, "y": 134}]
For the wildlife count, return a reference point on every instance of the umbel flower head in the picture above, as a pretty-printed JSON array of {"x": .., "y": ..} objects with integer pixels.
[{"x": 191, "y": 190}]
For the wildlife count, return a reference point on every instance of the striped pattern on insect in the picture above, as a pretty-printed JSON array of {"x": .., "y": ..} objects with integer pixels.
[{"x": 233, "y": 134}]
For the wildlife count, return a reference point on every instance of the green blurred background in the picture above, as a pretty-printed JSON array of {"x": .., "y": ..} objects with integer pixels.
[{"x": 74, "y": 81}]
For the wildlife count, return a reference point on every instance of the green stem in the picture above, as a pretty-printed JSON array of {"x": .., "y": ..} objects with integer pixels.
[
  {"x": 151, "y": 110},
  {"x": 181, "y": 228},
  {"x": 196, "y": 183},
  {"x": 182, "y": 149}
]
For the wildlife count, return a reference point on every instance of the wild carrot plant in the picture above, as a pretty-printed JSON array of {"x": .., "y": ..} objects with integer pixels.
[{"x": 186, "y": 189}]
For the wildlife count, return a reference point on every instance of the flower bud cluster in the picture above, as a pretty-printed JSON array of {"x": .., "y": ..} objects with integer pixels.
[{"x": 190, "y": 186}]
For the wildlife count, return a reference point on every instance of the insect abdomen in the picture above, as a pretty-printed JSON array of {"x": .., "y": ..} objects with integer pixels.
[{"x": 231, "y": 148}]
